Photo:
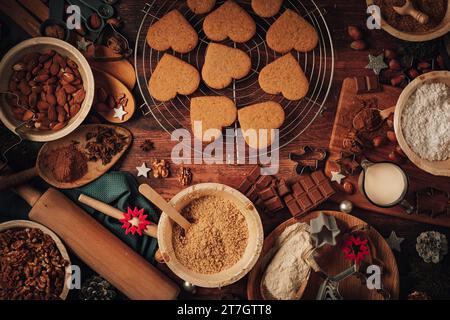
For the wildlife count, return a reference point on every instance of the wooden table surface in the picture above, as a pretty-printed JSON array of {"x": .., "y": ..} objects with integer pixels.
[{"x": 347, "y": 63}]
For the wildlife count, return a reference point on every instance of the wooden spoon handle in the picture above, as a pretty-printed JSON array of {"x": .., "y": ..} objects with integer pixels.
[
  {"x": 384, "y": 114},
  {"x": 112, "y": 212},
  {"x": 159, "y": 201},
  {"x": 421, "y": 17},
  {"x": 17, "y": 179}
]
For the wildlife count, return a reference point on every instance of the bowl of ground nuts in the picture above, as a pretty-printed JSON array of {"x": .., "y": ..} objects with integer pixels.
[
  {"x": 46, "y": 89},
  {"x": 34, "y": 263}
]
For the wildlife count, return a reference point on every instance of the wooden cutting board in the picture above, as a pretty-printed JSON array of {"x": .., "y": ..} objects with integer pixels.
[
  {"x": 332, "y": 262},
  {"x": 349, "y": 104}
]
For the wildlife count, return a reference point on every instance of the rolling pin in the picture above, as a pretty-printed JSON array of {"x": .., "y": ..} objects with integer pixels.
[{"x": 97, "y": 247}]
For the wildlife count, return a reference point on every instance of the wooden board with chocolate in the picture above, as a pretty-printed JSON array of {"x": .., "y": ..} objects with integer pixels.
[{"x": 354, "y": 97}]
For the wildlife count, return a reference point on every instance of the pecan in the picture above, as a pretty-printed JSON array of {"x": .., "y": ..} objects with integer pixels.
[{"x": 184, "y": 176}]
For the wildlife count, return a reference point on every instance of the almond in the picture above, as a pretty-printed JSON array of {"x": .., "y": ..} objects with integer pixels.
[
  {"x": 101, "y": 95},
  {"x": 24, "y": 87},
  {"x": 28, "y": 115},
  {"x": 54, "y": 68},
  {"x": 12, "y": 85},
  {"x": 52, "y": 116},
  {"x": 32, "y": 99},
  {"x": 68, "y": 77},
  {"x": 51, "y": 99},
  {"x": 79, "y": 95},
  {"x": 72, "y": 64},
  {"x": 20, "y": 66},
  {"x": 358, "y": 45},
  {"x": 61, "y": 98},
  {"x": 61, "y": 113},
  {"x": 69, "y": 89},
  {"x": 41, "y": 78},
  {"x": 59, "y": 126}
]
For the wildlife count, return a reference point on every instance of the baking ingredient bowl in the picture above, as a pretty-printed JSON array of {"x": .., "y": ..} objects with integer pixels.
[
  {"x": 251, "y": 253},
  {"x": 20, "y": 224},
  {"x": 441, "y": 29},
  {"x": 42, "y": 44},
  {"x": 438, "y": 168}
]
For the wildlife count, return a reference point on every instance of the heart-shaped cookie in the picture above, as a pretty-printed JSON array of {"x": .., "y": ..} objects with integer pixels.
[
  {"x": 285, "y": 76},
  {"x": 229, "y": 20},
  {"x": 214, "y": 112},
  {"x": 201, "y": 6},
  {"x": 266, "y": 8},
  {"x": 172, "y": 31},
  {"x": 172, "y": 76},
  {"x": 258, "y": 121},
  {"x": 290, "y": 31},
  {"x": 223, "y": 64}
]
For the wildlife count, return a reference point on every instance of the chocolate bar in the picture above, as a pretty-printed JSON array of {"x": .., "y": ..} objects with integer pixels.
[
  {"x": 367, "y": 84},
  {"x": 308, "y": 193}
]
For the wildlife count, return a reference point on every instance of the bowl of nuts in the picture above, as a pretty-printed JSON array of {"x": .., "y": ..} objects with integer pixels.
[
  {"x": 47, "y": 89},
  {"x": 33, "y": 262}
]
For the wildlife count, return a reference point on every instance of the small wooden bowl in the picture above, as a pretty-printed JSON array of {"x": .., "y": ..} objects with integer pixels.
[
  {"x": 62, "y": 249},
  {"x": 437, "y": 168},
  {"x": 251, "y": 253},
  {"x": 41, "y": 44},
  {"x": 438, "y": 31}
]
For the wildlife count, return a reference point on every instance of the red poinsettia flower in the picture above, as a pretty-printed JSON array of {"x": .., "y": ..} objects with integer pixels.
[
  {"x": 355, "y": 249},
  {"x": 134, "y": 221}
]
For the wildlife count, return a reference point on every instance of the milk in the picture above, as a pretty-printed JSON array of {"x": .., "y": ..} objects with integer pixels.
[{"x": 385, "y": 184}]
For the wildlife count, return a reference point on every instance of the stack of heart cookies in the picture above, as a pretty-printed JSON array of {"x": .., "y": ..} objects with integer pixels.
[{"x": 224, "y": 64}]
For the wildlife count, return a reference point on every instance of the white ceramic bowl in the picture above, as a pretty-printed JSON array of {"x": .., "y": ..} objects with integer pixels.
[
  {"x": 251, "y": 253},
  {"x": 13, "y": 224},
  {"x": 41, "y": 44},
  {"x": 438, "y": 168}
]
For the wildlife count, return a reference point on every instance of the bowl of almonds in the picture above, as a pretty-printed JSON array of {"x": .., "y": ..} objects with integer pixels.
[{"x": 47, "y": 89}]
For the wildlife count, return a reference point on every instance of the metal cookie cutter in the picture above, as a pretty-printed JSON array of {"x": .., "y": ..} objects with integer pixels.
[
  {"x": 324, "y": 230},
  {"x": 308, "y": 159}
]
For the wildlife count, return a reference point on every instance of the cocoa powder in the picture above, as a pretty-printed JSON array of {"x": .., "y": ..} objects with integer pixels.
[{"x": 66, "y": 163}]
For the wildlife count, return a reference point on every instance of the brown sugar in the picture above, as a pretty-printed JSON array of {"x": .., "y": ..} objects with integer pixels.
[
  {"x": 216, "y": 239},
  {"x": 435, "y": 9},
  {"x": 66, "y": 163}
]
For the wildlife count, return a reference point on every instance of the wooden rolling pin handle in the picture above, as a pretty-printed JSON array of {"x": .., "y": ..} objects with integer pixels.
[
  {"x": 162, "y": 204},
  {"x": 151, "y": 230},
  {"x": 17, "y": 179}
]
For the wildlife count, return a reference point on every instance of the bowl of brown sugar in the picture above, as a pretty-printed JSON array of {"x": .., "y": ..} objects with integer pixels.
[
  {"x": 224, "y": 241},
  {"x": 405, "y": 27}
]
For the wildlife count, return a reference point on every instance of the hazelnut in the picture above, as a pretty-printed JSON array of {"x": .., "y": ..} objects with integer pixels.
[
  {"x": 394, "y": 65},
  {"x": 394, "y": 157},
  {"x": 413, "y": 73},
  {"x": 348, "y": 187},
  {"x": 378, "y": 141},
  {"x": 358, "y": 45},
  {"x": 423, "y": 65},
  {"x": 389, "y": 54},
  {"x": 399, "y": 151},
  {"x": 397, "y": 80},
  {"x": 391, "y": 136},
  {"x": 354, "y": 33},
  {"x": 95, "y": 21}
]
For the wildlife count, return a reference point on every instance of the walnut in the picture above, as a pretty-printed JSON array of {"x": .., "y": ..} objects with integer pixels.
[
  {"x": 353, "y": 142},
  {"x": 160, "y": 168},
  {"x": 184, "y": 176}
]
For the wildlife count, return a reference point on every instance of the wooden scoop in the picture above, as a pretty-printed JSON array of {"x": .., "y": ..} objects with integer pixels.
[
  {"x": 94, "y": 171},
  {"x": 159, "y": 201},
  {"x": 408, "y": 9},
  {"x": 384, "y": 114},
  {"x": 115, "y": 88}
]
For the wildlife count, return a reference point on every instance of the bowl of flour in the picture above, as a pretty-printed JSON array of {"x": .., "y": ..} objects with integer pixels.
[{"x": 422, "y": 122}]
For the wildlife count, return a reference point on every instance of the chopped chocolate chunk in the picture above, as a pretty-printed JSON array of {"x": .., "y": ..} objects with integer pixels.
[
  {"x": 245, "y": 185},
  {"x": 274, "y": 204},
  {"x": 263, "y": 182},
  {"x": 267, "y": 193},
  {"x": 254, "y": 174}
]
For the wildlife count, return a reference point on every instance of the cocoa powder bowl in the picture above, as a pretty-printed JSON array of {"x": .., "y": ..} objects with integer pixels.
[{"x": 42, "y": 44}]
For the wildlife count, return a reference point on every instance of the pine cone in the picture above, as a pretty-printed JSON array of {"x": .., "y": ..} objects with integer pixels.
[
  {"x": 432, "y": 246},
  {"x": 97, "y": 288}
]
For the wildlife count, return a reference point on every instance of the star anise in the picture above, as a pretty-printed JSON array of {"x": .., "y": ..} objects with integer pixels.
[{"x": 147, "y": 145}]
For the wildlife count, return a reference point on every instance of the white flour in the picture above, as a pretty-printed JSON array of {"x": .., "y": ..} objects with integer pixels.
[{"x": 426, "y": 121}]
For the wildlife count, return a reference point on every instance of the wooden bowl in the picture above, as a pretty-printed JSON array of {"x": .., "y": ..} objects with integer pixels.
[
  {"x": 41, "y": 44},
  {"x": 332, "y": 261},
  {"x": 437, "y": 168},
  {"x": 434, "y": 33},
  {"x": 251, "y": 253},
  {"x": 62, "y": 250}
]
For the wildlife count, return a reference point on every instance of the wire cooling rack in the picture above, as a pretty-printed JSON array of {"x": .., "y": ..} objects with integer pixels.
[{"x": 318, "y": 66}]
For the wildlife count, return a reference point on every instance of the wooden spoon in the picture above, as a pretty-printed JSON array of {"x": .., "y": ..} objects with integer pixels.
[
  {"x": 408, "y": 9},
  {"x": 115, "y": 88},
  {"x": 94, "y": 171},
  {"x": 159, "y": 201}
]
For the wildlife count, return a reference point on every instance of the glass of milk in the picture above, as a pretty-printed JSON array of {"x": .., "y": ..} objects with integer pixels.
[{"x": 384, "y": 184}]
